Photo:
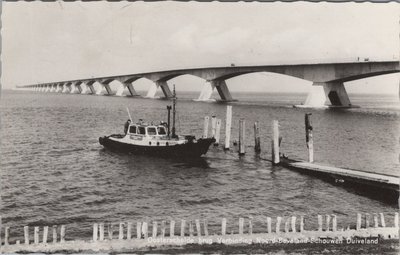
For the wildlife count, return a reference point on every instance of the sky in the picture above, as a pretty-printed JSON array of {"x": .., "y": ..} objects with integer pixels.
[{"x": 46, "y": 42}]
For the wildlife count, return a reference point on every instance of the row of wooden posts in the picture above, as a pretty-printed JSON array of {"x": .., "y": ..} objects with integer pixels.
[
  {"x": 276, "y": 141},
  {"x": 36, "y": 238},
  {"x": 291, "y": 224}
]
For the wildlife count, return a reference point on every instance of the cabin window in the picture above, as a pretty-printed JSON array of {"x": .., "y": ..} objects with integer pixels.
[
  {"x": 132, "y": 129},
  {"x": 142, "y": 130},
  {"x": 151, "y": 131},
  {"x": 161, "y": 131}
]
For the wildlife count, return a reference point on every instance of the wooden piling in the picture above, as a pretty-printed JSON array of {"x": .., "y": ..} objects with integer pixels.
[
  {"x": 62, "y": 234},
  {"x": 250, "y": 225},
  {"x": 367, "y": 220},
  {"x": 36, "y": 235},
  {"x": 328, "y": 222},
  {"x": 275, "y": 142},
  {"x": 241, "y": 222},
  {"x": 242, "y": 134},
  {"x": 191, "y": 230},
  {"x": 319, "y": 222},
  {"x": 376, "y": 224},
  {"x": 121, "y": 231},
  {"x": 269, "y": 225},
  {"x": 205, "y": 227},
  {"x": 138, "y": 230},
  {"x": 287, "y": 225},
  {"x": 95, "y": 231},
  {"x": 223, "y": 226},
  {"x": 206, "y": 121},
  {"x": 198, "y": 227},
  {"x": 213, "y": 125},
  {"x": 172, "y": 228},
  {"x": 228, "y": 125},
  {"x": 217, "y": 132},
  {"x": 110, "y": 230},
  {"x": 302, "y": 223},
  {"x": 257, "y": 145},
  {"x": 45, "y": 234},
  {"x": 183, "y": 223},
  {"x": 26, "y": 234},
  {"x": 154, "y": 229},
  {"x": 6, "y": 235},
  {"x": 101, "y": 231},
  {"x": 278, "y": 224},
  {"x": 334, "y": 223},
  {"x": 396, "y": 220},
  {"x": 129, "y": 231},
  {"x": 293, "y": 223},
  {"x": 358, "y": 225},
  {"x": 163, "y": 228},
  {"x": 309, "y": 137},
  {"x": 54, "y": 233},
  {"x": 382, "y": 220},
  {"x": 145, "y": 230}
]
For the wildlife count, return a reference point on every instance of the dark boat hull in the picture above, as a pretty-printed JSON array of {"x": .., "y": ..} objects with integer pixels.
[{"x": 187, "y": 150}]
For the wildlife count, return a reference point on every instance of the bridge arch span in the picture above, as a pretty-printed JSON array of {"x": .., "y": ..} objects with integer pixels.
[{"x": 328, "y": 78}]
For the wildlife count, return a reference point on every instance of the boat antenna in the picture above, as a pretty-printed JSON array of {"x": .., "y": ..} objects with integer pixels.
[
  {"x": 129, "y": 114},
  {"x": 173, "y": 112}
]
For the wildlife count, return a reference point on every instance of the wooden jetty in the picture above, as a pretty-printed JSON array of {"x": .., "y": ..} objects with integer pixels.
[
  {"x": 379, "y": 186},
  {"x": 365, "y": 182}
]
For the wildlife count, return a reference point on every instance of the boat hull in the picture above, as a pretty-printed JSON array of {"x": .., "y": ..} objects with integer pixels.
[{"x": 186, "y": 150}]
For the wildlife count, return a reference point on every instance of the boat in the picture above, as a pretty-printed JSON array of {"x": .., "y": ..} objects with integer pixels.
[{"x": 157, "y": 140}]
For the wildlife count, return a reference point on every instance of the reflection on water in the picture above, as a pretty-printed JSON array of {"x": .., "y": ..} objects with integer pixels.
[{"x": 53, "y": 170}]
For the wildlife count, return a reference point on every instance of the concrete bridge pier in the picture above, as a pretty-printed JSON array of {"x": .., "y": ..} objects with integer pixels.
[
  {"x": 151, "y": 93},
  {"x": 47, "y": 88},
  {"x": 66, "y": 88},
  {"x": 105, "y": 89},
  {"x": 87, "y": 88},
  {"x": 323, "y": 93},
  {"x": 59, "y": 88},
  {"x": 165, "y": 89},
  {"x": 223, "y": 90},
  {"x": 206, "y": 92},
  {"x": 131, "y": 89},
  {"x": 78, "y": 85},
  {"x": 52, "y": 88},
  {"x": 76, "y": 88},
  {"x": 91, "y": 87}
]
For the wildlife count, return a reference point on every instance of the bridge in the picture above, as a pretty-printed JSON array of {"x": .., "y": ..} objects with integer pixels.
[{"x": 327, "y": 78}]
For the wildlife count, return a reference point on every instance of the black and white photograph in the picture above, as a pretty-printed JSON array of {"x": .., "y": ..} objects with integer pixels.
[{"x": 189, "y": 127}]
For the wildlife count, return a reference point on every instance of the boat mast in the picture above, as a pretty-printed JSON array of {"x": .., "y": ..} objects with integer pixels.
[
  {"x": 169, "y": 119},
  {"x": 173, "y": 113}
]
